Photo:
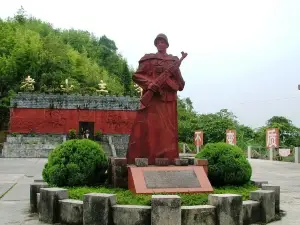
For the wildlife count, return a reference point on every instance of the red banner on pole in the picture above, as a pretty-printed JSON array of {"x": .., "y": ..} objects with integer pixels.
[
  {"x": 198, "y": 138},
  {"x": 272, "y": 138},
  {"x": 231, "y": 137}
]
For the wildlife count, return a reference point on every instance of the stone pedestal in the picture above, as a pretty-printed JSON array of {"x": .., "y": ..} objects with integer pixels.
[
  {"x": 97, "y": 208},
  {"x": 199, "y": 214},
  {"x": 39, "y": 180},
  {"x": 34, "y": 189},
  {"x": 267, "y": 204},
  {"x": 131, "y": 215},
  {"x": 141, "y": 162},
  {"x": 251, "y": 212},
  {"x": 191, "y": 161},
  {"x": 71, "y": 211},
  {"x": 49, "y": 203},
  {"x": 166, "y": 210},
  {"x": 276, "y": 189},
  {"x": 258, "y": 183},
  {"x": 162, "y": 162},
  {"x": 38, "y": 197},
  {"x": 181, "y": 162},
  {"x": 229, "y": 208},
  {"x": 118, "y": 172}
]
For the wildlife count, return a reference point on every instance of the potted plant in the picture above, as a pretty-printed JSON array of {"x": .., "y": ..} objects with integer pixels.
[
  {"x": 98, "y": 135},
  {"x": 72, "y": 134}
]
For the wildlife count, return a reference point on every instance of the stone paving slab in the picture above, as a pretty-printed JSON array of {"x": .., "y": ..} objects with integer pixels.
[
  {"x": 10, "y": 178},
  {"x": 4, "y": 187},
  {"x": 19, "y": 192}
]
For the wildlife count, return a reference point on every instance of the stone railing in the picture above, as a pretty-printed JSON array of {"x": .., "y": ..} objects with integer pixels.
[
  {"x": 54, "y": 206},
  {"x": 271, "y": 154},
  {"x": 73, "y": 101}
]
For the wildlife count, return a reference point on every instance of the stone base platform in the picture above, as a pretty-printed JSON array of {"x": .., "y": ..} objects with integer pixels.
[{"x": 182, "y": 176}]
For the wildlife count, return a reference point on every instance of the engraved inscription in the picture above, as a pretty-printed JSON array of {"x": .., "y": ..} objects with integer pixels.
[
  {"x": 171, "y": 179},
  {"x": 116, "y": 121},
  {"x": 40, "y": 101}
]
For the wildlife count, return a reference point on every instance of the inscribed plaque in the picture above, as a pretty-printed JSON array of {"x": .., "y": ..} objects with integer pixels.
[{"x": 171, "y": 179}]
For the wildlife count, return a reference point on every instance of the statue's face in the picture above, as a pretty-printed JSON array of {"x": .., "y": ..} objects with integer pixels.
[{"x": 161, "y": 45}]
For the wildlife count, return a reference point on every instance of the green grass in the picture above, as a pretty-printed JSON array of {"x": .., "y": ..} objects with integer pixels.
[
  {"x": 125, "y": 197},
  {"x": 290, "y": 158}
]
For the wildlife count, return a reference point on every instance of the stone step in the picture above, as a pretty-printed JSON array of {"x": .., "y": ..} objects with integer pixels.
[
  {"x": 25, "y": 153},
  {"x": 35, "y": 146}
]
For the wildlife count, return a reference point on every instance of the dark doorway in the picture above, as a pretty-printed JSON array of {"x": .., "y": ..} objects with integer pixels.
[{"x": 86, "y": 130}]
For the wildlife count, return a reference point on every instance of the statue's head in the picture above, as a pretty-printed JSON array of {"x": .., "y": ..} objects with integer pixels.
[{"x": 161, "y": 42}]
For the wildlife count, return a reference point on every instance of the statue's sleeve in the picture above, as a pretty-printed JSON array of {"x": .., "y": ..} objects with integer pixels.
[
  {"x": 180, "y": 81},
  {"x": 141, "y": 75},
  {"x": 176, "y": 84}
]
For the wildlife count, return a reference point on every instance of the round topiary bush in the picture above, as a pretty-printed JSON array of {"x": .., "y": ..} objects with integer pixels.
[
  {"x": 76, "y": 163},
  {"x": 227, "y": 164}
]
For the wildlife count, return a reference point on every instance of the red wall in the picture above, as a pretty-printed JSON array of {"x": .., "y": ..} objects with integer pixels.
[{"x": 60, "y": 121}]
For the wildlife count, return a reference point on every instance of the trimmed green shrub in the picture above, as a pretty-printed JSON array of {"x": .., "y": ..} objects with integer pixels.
[
  {"x": 227, "y": 164},
  {"x": 76, "y": 162}
]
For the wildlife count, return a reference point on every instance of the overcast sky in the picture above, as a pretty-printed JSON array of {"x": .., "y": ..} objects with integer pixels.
[{"x": 243, "y": 55}]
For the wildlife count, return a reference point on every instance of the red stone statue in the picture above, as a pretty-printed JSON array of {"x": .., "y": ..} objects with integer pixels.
[{"x": 155, "y": 130}]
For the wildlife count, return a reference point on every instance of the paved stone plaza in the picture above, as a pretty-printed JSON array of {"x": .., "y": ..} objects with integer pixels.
[{"x": 17, "y": 174}]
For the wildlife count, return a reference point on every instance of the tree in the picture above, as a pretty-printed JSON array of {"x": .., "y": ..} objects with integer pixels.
[
  {"x": 189, "y": 104},
  {"x": 126, "y": 78},
  {"x": 187, "y": 121},
  {"x": 246, "y": 136},
  {"x": 20, "y": 17},
  {"x": 108, "y": 43},
  {"x": 214, "y": 126}
]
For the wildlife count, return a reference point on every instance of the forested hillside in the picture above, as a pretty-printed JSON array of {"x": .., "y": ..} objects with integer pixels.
[{"x": 31, "y": 47}]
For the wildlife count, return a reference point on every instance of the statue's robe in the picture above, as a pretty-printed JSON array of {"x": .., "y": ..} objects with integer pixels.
[{"x": 155, "y": 130}]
